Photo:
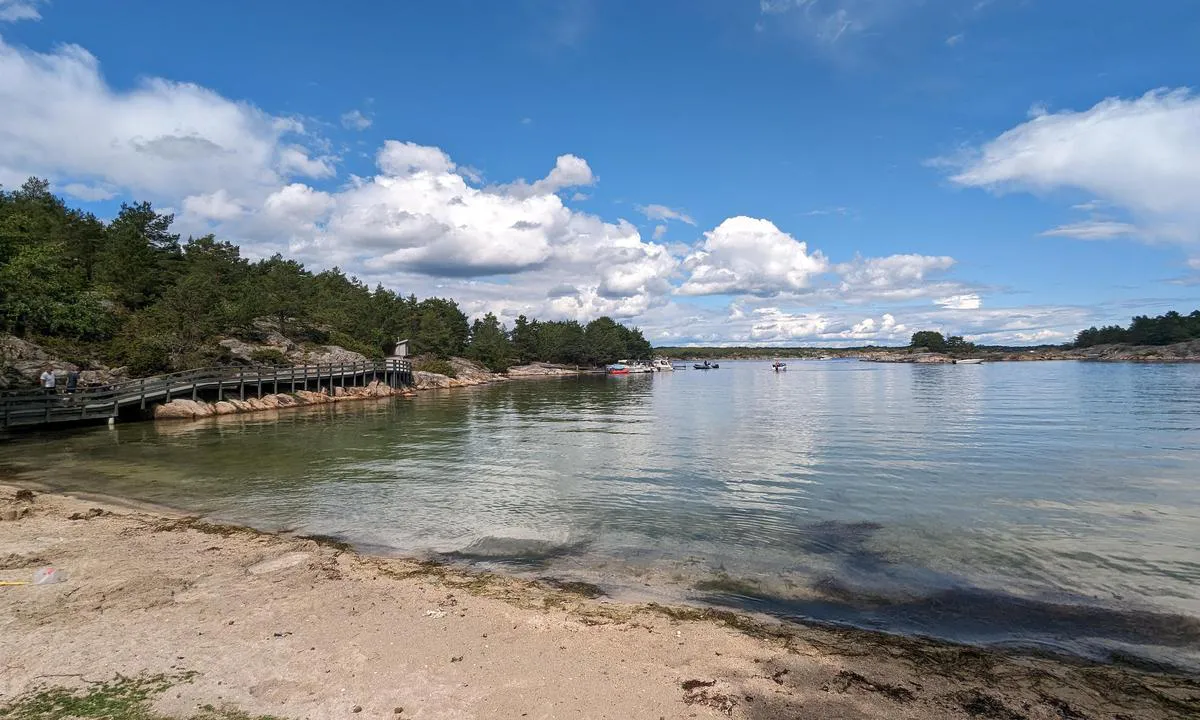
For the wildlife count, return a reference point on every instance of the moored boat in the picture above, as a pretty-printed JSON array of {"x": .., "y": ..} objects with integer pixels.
[
  {"x": 616, "y": 369},
  {"x": 662, "y": 365},
  {"x": 969, "y": 361}
]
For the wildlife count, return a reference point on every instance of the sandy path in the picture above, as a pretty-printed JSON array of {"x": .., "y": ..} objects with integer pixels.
[{"x": 297, "y": 628}]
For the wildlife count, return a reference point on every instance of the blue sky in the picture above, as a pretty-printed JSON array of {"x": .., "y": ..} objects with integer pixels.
[{"x": 716, "y": 171}]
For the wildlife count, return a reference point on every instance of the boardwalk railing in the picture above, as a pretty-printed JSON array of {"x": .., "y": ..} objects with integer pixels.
[{"x": 39, "y": 407}]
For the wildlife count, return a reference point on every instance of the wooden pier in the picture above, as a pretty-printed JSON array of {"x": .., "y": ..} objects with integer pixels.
[{"x": 38, "y": 407}]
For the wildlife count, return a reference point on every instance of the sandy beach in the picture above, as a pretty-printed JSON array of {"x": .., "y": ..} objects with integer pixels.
[{"x": 217, "y": 621}]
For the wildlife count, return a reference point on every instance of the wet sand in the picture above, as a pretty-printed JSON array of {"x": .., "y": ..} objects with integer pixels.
[{"x": 307, "y": 628}]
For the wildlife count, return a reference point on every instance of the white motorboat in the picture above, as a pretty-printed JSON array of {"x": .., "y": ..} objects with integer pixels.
[
  {"x": 662, "y": 365},
  {"x": 969, "y": 361},
  {"x": 636, "y": 368}
]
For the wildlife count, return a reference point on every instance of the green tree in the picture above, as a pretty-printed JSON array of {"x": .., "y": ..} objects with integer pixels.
[
  {"x": 284, "y": 292},
  {"x": 956, "y": 344},
  {"x": 29, "y": 217},
  {"x": 1166, "y": 329},
  {"x": 561, "y": 342},
  {"x": 928, "y": 339},
  {"x": 140, "y": 256},
  {"x": 637, "y": 347},
  {"x": 525, "y": 339},
  {"x": 83, "y": 236},
  {"x": 489, "y": 344},
  {"x": 604, "y": 341},
  {"x": 209, "y": 297},
  {"x": 442, "y": 328},
  {"x": 38, "y": 298}
]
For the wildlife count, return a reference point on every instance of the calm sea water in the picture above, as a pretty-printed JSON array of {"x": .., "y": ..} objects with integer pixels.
[{"x": 1045, "y": 504}]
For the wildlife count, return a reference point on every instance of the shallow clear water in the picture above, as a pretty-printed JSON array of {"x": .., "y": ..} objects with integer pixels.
[{"x": 1046, "y": 504}]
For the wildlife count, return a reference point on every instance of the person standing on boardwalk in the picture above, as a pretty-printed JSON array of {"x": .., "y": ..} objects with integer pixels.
[
  {"x": 72, "y": 381},
  {"x": 49, "y": 381}
]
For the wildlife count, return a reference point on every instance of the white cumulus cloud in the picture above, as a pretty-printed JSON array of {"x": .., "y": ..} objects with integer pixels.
[
  {"x": 212, "y": 206},
  {"x": 161, "y": 139},
  {"x": 968, "y": 301},
  {"x": 752, "y": 256},
  {"x": 1140, "y": 154},
  {"x": 570, "y": 171},
  {"x": 894, "y": 277},
  {"x": 662, "y": 212},
  {"x": 356, "y": 120},
  {"x": 89, "y": 193},
  {"x": 14, "y": 10}
]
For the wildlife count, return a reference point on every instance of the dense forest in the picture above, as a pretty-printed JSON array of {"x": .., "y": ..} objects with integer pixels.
[
  {"x": 130, "y": 292},
  {"x": 1143, "y": 330}
]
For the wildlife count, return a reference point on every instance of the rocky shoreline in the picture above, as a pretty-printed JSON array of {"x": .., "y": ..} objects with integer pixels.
[
  {"x": 467, "y": 374},
  {"x": 1185, "y": 352},
  {"x": 182, "y": 409}
]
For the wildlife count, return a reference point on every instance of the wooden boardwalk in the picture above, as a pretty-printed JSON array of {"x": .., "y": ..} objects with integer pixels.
[{"x": 36, "y": 407}]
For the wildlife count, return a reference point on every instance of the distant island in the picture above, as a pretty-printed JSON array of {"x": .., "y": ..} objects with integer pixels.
[{"x": 1171, "y": 337}]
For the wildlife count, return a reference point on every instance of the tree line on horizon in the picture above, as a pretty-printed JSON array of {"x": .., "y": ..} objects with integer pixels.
[
  {"x": 1165, "y": 329},
  {"x": 129, "y": 292}
]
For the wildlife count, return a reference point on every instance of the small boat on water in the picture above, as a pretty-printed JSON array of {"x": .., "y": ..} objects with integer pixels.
[
  {"x": 706, "y": 366},
  {"x": 616, "y": 369},
  {"x": 778, "y": 366},
  {"x": 634, "y": 367},
  {"x": 662, "y": 365},
  {"x": 969, "y": 361}
]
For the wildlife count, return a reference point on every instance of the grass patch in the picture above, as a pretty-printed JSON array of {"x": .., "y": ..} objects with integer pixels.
[{"x": 122, "y": 698}]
